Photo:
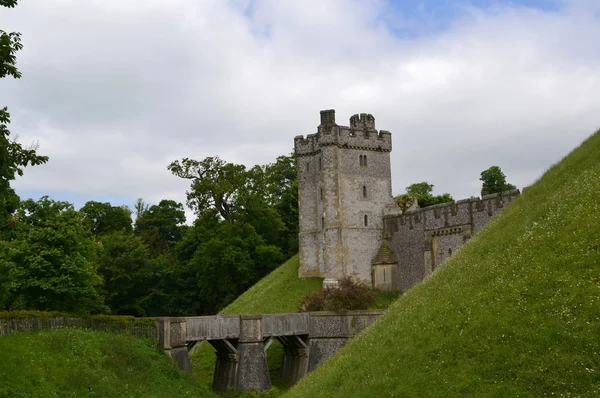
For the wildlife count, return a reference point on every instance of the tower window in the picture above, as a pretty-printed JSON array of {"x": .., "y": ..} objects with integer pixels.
[
  {"x": 321, "y": 193},
  {"x": 322, "y": 222},
  {"x": 362, "y": 159},
  {"x": 364, "y": 191},
  {"x": 307, "y": 166},
  {"x": 366, "y": 220},
  {"x": 319, "y": 163},
  {"x": 449, "y": 252}
]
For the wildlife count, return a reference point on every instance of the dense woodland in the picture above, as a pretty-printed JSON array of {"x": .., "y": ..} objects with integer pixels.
[{"x": 97, "y": 259}]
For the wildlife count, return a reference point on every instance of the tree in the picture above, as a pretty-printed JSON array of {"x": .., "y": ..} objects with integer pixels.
[
  {"x": 228, "y": 260},
  {"x": 419, "y": 189},
  {"x": 140, "y": 208},
  {"x": 422, "y": 192},
  {"x": 215, "y": 183},
  {"x": 161, "y": 226},
  {"x": 494, "y": 181},
  {"x": 13, "y": 157},
  {"x": 124, "y": 264},
  {"x": 50, "y": 263},
  {"x": 262, "y": 196},
  {"x": 103, "y": 218}
]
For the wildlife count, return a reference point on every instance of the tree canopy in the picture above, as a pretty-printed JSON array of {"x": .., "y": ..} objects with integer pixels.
[
  {"x": 104, "y": 218},
  {"x": 13, "y": 156},
  {"x": 50, "y": 263},
  {"x": 422, "y": 192},
  {"x": 494, "y": 181}
]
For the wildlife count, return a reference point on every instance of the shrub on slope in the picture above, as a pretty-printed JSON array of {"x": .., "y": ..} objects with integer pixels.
[
  {"x": 516, "y": 312},
  {"x": 78, "y": 363}
]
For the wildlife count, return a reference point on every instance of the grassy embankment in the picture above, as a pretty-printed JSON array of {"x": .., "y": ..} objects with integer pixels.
[
  {"x": 78, "y": 363},
  {"x": 516, "y": 312}
]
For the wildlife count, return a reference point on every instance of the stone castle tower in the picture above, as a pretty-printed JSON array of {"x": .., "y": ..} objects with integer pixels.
[{"x": 344, "y": 181}]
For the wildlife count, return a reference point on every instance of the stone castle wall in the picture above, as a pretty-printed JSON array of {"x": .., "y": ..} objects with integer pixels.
[
  {"x": 349, "y": 223},
  {"x": 423, "y": 239}
]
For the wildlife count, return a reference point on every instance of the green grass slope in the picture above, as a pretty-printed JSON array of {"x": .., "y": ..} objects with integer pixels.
[
  {"x": 83, "y": 363},
  {"x": 515, "y": 313},
  {"x": 280, "y": 291}
]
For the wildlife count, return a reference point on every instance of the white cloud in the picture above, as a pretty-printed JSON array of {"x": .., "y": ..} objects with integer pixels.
[{"x": 115, "y": 90}]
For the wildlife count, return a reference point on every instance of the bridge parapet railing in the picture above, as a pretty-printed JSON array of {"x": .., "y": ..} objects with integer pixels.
[
  {"x": 287, "y": 324},
  {"x": 218, "y": 327}
]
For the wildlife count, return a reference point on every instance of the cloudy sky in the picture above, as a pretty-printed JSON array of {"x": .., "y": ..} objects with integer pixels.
[{"x": 114, "y": 90}]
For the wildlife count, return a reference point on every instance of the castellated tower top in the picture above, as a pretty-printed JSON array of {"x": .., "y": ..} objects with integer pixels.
[
  {"x": 361, "y": 134},
  {"x": 364, "y": 121}
]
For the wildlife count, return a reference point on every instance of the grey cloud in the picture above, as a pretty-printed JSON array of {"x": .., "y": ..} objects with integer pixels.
[{"x": 115, "y": 90}]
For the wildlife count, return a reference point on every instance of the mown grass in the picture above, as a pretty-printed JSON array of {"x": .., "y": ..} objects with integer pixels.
[
  {"x": 83, "y": 363},
  {"x": 515, "y": 313}
]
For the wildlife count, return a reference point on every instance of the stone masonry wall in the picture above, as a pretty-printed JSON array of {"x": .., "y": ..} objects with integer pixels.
[{"x": 423, "y": 239}]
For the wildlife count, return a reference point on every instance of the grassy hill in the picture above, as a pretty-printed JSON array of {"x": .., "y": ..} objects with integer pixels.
[
  {"x": 515, "y": 313},
  {"x": 78, "y": 363}
]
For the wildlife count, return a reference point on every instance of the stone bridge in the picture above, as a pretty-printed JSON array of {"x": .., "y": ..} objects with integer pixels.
[{"x": 241, "y": 343}]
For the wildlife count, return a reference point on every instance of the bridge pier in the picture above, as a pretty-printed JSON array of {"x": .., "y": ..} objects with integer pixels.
[
  {"x": 253, "y": 370},
  {"x": 226, "y": 365},
  {"x": 295, "y": 360},
  {"x": 172, "y": 337}
]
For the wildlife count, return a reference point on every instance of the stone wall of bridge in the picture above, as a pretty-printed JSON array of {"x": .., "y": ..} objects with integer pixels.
[{"x": 241, "y": 343}]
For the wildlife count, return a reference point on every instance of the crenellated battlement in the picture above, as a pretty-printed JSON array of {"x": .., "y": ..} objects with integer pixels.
[
  {"x": 364, "y": 121},
  {"x": 361, "y": 134},
  {"x": 454, "y": 213}
]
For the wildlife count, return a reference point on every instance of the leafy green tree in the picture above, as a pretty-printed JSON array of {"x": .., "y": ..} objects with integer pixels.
[
  {"x": 282, "y": 187},
  {"x": 215, "y": 184},
  {"x": 494, "y": 181},
  {"x": 50, "y": 263},
  {"x": 13, "y": 156},
  {"x": 104, "y": 218},
  {"x": 420, "y": 189},
  {"x": 161, "y": 226},
  {"x": 229, "y": 260},
  {"x": 263, "y": 196},
  {"x": 423, "y": 193},
  {"x": 124, "y": 263}
]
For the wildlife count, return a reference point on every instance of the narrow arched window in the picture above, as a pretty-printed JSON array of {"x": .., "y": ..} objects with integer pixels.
[
  {"x": 360, "y": 159},
  {"x": 364, "y": 191},
  {"x": 366, "y": 220},
  {"x": 319, "y": 163},
  {"x": 322, "y": 222},
  {"x": 307, "y": 166},
  {"x": 365, "y": 160}
]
